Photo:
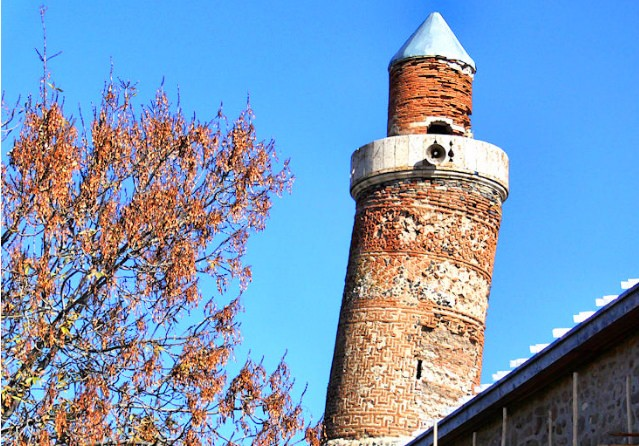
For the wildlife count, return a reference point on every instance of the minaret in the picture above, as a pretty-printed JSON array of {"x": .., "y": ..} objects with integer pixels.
[{"x": 411, "y": 328}]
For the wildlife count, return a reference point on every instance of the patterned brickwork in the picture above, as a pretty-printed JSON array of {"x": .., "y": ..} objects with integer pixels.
[
  {"x": 422, "y": 88},
  {"x": 411, "y": 328}
]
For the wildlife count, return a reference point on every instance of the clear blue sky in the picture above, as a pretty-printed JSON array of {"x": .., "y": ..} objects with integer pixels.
[{"x": 557, "y": 88}]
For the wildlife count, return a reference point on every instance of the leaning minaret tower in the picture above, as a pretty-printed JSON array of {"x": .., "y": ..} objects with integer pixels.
[{"x": 411, "y": 328}]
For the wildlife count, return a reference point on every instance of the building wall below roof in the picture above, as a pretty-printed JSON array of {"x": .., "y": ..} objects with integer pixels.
[{"x": 546, "y": 417}]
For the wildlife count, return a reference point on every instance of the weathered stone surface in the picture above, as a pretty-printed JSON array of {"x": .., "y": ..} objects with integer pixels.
[
  {"x": 381, "y": 441},
  {"x": 545, "y": 417},
  {"x": 406, "y": 156}
]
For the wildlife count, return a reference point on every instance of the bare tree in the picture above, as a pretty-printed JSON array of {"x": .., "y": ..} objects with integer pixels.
[{"x": 110, "y": 335}]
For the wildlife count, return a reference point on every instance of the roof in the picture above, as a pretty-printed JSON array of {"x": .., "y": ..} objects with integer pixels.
[
  {"x": 585, "y": 341},
  {"x": 433, "y": 38}
]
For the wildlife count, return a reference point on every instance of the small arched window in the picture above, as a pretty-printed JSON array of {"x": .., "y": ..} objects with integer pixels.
[{"x": 440, "y": 128}]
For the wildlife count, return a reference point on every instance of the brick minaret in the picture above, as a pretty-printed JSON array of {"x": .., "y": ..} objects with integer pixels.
[{"x": 411, "y": 329}]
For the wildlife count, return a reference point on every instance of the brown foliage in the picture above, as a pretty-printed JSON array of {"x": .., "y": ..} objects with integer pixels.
[{"x": 108, "y": 238}]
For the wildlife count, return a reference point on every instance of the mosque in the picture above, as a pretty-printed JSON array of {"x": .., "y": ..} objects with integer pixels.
[{"x": 410, "y": 337}]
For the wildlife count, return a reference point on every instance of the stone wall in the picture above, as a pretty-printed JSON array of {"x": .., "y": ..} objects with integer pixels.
[
  {"x": 411, "y": 328},
  {"x": 545, "y": 418}
]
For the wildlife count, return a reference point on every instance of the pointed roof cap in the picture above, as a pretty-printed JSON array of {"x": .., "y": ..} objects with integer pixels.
[{"x": 433, "y": 38}]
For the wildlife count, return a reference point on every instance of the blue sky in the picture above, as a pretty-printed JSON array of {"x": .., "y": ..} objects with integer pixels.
[{"x": 557, "y": 88}]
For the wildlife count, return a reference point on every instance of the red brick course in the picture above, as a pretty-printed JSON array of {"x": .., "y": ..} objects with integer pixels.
[
  {"x": 427, "y": 87},
  {"x": 415, "y": 297}
]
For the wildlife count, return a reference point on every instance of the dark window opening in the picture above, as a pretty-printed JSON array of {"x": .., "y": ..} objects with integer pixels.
[
  {"x": 419, "y": 369},
  {"x": 440, "y": 128}
]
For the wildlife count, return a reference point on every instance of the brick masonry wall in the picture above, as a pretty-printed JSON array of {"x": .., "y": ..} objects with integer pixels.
[
  {"x": 414, "y": 304},
  {"x": 601, "y": 397},
  {"x": 427, "y": 87}
]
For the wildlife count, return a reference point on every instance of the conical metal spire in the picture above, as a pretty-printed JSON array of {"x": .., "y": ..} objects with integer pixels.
[{"x": 433, "y": 38}]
